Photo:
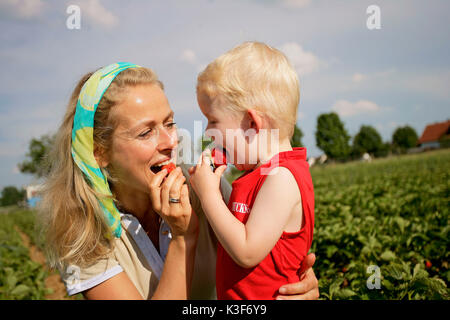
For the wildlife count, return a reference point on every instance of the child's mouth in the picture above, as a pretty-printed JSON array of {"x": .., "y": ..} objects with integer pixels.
[{"x": 219, "y": 157}]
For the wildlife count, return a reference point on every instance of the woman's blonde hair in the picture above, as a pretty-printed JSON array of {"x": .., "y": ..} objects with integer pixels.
[
  {"x": 71, "y": 221},
  {"x": 256, "y": 76}
]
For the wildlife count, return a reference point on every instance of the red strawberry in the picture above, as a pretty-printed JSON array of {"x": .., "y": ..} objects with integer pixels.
[
  {"x": 219, "y": 157},
  {"x": 169, "y": 167},
  {"x": 428, "y": 264}
]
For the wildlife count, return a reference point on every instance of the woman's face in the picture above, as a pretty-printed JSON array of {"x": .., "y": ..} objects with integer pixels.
[{"x": 145, "y": 137}]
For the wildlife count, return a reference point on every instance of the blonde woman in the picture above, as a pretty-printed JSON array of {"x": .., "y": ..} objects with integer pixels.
[{"x": 117, "y": 225}]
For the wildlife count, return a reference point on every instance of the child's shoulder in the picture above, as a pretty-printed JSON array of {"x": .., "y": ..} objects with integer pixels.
[{"x": 281, "y": 180}]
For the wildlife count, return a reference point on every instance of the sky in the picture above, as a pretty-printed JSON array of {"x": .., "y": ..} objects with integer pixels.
[{"x": 391, "y": 76}]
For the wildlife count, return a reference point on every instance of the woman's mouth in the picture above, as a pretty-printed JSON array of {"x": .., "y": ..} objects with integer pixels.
[{"x": 158, "y": 167}]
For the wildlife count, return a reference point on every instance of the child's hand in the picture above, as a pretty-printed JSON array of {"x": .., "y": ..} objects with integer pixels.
[{"x": 205, "y": 181}]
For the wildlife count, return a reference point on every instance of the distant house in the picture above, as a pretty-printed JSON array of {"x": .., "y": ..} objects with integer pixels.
[
  {"x": 33, "y": 196},
  {"x": 366, "y": 157},
  {"x": 432, "y": 135}
]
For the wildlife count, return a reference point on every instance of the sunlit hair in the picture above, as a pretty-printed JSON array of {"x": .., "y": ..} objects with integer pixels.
[
  {"x": 72, "y": 223},
  {"x": 256, "y": 76}
]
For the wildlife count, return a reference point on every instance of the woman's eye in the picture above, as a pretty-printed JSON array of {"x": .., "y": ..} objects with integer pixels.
[
  {"x": 145, "y": 133},
  {"x": 171, "y": 124}
]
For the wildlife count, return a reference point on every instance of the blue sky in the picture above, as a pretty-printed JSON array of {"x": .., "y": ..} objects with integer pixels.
[{"x": 390, "y": 77}]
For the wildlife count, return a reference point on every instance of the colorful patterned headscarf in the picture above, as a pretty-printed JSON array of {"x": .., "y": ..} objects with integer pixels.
[{"x": 83, "y": 138}]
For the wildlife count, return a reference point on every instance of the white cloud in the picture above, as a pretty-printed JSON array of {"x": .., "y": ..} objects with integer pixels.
[
  {"x": 434, "y": 82},
  {"x": 97, "y": 13},
  {"x": 347, "y": 109},
  {"x": 296, "y": 3},
  {"x": 22, "y": 9},
  {"x": 189, "y": 56},
  {"x": 303, "y": 62},
  {"x": 358, "y": 77}
]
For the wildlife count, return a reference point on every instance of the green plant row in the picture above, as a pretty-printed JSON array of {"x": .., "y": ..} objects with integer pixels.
[
  {"x": 20, "y": 277},
  {"x": 382, "y": 228}
]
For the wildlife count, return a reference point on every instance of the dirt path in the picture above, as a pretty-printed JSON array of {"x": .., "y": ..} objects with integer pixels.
[{"x": 53, "y": 281}]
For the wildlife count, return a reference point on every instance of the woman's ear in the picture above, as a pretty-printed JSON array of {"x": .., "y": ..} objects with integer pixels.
[
  {"x": 256, "y": 121},
  {"x": 100, "y": 157}
]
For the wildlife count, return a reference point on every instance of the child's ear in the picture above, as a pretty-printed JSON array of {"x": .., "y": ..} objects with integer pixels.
[
  {"x": 100, "y": 157},
  {"x": 256, "y": 121}
]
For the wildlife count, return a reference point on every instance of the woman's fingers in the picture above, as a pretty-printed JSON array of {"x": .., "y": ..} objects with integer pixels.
[
  {"x": 307, "y": 263},
  {"x": 184, "y": 197},
  {"x": 310, "y": 295},
  {"x": 308, "y": 288},
  {"x": 166, "y": 187},
  {"x": 175, "y": 190},
  {"x": 155, "y": 189}
]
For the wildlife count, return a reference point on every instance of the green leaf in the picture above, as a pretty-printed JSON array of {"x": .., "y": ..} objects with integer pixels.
[
  {"x": 344, "y": 293},
  {"x": 395, "y": 272},
  {"x": 388, "y": 255},
  {"x": 20, "y": 290},
  {"x": 11, "y": 280}
]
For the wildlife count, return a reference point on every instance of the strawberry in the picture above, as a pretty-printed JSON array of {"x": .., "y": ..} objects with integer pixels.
[
  {"x": 428, "y": 264},
  {"x": 219, "y": 157},
  {"x": 169, "y": 167}
]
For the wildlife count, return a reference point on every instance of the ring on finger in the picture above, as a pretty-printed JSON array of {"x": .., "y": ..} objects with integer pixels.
[{"x": 174, "y": 200}]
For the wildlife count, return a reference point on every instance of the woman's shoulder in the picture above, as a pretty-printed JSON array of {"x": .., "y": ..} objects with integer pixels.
[{"x": 78, "y": 278}]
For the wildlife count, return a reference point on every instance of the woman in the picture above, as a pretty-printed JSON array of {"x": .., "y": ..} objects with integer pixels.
[{"x": 116, "y": 225}]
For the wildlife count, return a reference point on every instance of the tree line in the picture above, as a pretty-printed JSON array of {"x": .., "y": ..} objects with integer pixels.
[
  {"x": 331, "y": 137},
  {"x": 335, "y": 141}
]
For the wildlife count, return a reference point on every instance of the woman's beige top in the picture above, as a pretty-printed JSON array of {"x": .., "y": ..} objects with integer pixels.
[{"x": 135, "y": 255}]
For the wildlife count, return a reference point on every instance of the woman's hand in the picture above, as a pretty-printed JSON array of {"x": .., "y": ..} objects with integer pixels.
[
  {"x": 176, "y": 278},
  {"x": 308, "y": 286},
  {"x": 179, "y": 216}
]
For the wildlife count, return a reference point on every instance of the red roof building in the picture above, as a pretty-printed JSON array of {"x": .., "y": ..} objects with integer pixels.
[{"x": 434, "y": 132}]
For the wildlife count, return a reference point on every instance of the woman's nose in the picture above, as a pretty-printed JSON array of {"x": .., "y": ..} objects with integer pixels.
[{"x": 167, "y": 139}]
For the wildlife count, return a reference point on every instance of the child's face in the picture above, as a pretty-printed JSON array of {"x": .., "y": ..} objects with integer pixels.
[{"x": 229, "y": 130}]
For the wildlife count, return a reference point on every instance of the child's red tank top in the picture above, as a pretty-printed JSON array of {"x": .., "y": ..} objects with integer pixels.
[{"x": 281, "y": 265}]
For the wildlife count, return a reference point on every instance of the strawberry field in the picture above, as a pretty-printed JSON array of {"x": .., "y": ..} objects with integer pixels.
[
  {"x": 382, "y": 228},
  {"x": 381, "y": 232},
  {"x": 20, "y": 276}
]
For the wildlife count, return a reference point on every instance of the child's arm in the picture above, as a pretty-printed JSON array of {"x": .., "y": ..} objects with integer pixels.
[{"x": 248, "y": 244}]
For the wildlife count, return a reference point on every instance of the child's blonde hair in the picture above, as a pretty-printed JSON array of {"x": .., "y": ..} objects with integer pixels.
[{"x": 256, "y": 76}]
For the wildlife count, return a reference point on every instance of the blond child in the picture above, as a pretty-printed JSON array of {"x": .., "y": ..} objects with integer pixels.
[{"x": 250, "y": 97}]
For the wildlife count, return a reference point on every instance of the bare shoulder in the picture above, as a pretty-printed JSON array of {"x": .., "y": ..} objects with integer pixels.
[
  {"x": 282, "y": 187},
  {"x": 281, "y": 177},
  {"x": 281, "y": 183}
]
